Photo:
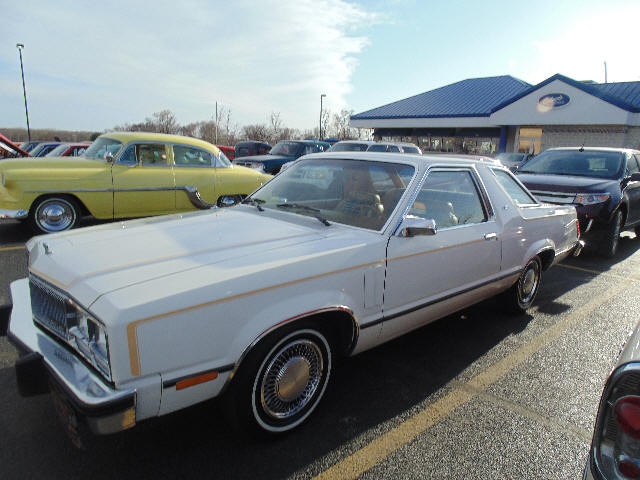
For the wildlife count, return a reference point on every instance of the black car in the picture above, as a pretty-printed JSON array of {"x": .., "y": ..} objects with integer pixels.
[
  {"x": 513, "y": 161},
  {"x": 284, "y": 152},
  {"x": 250, "y": 148},
  {"x": 602, "y": 183}
]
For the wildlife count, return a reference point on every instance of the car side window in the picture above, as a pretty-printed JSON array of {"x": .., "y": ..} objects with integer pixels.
[
  {"x": 518, "y": 194},
  {"x": 451, "y": 198},
  {"x": 393, "y": 148},
  {"x": 191, "y": 157},
  {"x": 152, "y": 154},
  {"x": 128, "y": 157},
  {"x": 632, "y": 165}
]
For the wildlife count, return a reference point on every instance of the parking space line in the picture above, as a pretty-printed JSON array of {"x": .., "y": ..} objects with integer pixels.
[
  {"x": 7, "y": 249},
  {"x": 375, "y": 452},
  {"x": 593, "y": 272}
]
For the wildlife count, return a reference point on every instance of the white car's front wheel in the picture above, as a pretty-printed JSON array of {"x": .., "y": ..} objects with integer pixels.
[{"x": 281, "y": 382}]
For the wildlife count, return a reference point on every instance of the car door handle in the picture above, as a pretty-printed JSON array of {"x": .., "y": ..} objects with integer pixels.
[{"x": 491, "y": 236}]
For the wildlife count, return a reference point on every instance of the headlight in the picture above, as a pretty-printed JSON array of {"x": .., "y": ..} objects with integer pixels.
[
  {"x": 591, "y": 198},
  {"x": 89, "y": 337}
]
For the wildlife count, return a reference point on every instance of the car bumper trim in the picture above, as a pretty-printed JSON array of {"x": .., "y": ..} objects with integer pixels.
[
  {"x": 46, "y": 365},
  {"x": 14, "y": 214}
]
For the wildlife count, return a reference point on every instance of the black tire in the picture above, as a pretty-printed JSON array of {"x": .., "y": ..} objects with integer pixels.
[
  {"x": 609, "y": 245},
  {"x": 637, "y": 230},
  {"x": 53, "y": 214},
  {"x": 280, "y": 382},
  {"x": 520, "y": 297}
]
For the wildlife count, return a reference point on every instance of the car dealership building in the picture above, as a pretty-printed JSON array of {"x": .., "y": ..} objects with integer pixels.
[{"x": 505, "y": 114}]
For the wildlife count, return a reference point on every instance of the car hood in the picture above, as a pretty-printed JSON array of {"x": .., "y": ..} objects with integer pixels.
[
  {"x": 263, "y": 158},
  {"x": 91, "y": 262},
  {"x": 565, "y": 183}
]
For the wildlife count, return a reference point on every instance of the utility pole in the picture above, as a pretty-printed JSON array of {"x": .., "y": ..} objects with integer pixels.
[
  {"x": 321, "y": 97},
  {"x": 216, "y": 142},
  {"x": 605, "y": 72},
  {"x": 20, "y": 46}
]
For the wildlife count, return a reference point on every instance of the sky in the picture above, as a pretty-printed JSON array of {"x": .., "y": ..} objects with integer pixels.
[{"x": 94, "y": 65}]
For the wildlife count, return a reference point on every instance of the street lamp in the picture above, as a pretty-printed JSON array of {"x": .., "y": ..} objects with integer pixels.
[
  {"x": 321, "y": 97},
  {"x": 20, "y": 46}
]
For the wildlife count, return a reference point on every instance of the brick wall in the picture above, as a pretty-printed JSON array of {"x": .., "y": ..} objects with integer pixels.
[{"x": 568, "y": 136}]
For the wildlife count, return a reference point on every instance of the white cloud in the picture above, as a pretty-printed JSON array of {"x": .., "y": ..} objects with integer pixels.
[{"x": 94, "y": 65}]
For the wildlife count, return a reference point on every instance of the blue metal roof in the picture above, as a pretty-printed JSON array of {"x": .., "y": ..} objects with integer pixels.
[
  {"x": 625, "y": 95},
  {"x": 474, "y": 97}
]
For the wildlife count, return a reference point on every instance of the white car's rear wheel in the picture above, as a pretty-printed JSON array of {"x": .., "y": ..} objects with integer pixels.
[{"x": 521, "y": 295}]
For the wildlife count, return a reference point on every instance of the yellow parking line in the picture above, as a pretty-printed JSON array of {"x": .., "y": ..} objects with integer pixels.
[
  {"x": 364, "y": 459},
  {"x": 7, "y": 249},
  {"x": 581, "y": 269}
]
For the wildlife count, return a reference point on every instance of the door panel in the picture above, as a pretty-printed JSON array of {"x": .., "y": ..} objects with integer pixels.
[
  {"x": 193, "y": 168},
  {"x": 464, "y": 253},
  {"x": 143, "y": 182}
]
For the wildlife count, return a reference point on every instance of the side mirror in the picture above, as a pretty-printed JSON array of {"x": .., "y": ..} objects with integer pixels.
[
  {"x": 412, "y": 226},
  {"x": 635, "y": 177},
  {"x": 108, "y": 156}
]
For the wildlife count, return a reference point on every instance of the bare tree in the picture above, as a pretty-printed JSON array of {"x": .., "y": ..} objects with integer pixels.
[
  {"x": 258, "y": 132},
  {"x": 165, "y": 122},
  {"x": 324, "y": 122},
  {"x": 276, "y": 127}
]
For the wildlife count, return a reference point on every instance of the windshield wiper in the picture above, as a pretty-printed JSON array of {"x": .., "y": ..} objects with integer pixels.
[
  {"x": 299, "y": 206},
  {"x": 254, "y": 201}
]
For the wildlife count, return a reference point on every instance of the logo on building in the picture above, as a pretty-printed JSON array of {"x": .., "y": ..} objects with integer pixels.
[{"x": 551, "y": 101}]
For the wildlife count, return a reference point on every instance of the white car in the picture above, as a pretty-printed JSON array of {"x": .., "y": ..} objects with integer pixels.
[{"x": 339, "y": 253}]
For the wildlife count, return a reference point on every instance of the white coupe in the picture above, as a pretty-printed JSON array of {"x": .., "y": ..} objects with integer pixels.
[{"x": 339, "y": 253}]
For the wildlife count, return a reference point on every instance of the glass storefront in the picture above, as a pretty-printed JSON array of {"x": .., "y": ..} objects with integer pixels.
[{"x": 529, "y": 140}]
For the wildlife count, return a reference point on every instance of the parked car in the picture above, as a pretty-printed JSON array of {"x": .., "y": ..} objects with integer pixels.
[
  {"x": 284, "y": 151},
  {"x": 602, "y": 183},
  {"x": 250, "y": 148},
  {"x": 478, "y": 158},
  {"x": 68, "y": 150},
  {"x": 339, "y": 253},
  {"x": 122, "y": 175},
  {"x": 43, "y": 148},
  {"x": 28, "y": 146},
  {"x": 9, "y": 149},
  {"x": 513, "y": 161},
  {"x": 615, "y": 447},
  {"x": 394, "y": 148},
  {"x": 351, "y": 146},
  {"x": 229, "y": 152}
]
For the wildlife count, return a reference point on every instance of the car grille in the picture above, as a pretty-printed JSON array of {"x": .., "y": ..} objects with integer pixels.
[
  {"x": 50, "y": 307},
  {"x": 561, "y": 198}
]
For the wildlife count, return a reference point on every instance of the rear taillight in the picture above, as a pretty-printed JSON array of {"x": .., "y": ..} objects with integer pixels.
[
  {"x": 627, "y": 412},
  {"x": 616, "y": 439},
  {"x": 578, "y": 222}
]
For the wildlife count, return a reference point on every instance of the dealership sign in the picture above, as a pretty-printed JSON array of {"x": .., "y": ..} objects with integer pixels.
[{"x": 551, "y": 101}]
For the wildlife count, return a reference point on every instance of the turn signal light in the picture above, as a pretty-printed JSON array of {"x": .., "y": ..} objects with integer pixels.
[
  {"x": 190, "y": 382},
  {"x": 627, "y": 412}
]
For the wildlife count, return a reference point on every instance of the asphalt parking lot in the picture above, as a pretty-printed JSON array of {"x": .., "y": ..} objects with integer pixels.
[{"x": 477, "y": 395}]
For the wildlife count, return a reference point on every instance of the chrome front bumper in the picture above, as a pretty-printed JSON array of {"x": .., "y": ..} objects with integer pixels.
[
  {"x": 14, "y": 214},
  {"x": 44, "y": 362}
]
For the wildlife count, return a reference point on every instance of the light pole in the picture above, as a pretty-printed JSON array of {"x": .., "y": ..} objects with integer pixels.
[
  {"x": 20, "y": 46},
  {"x": 322, "y": 95}
]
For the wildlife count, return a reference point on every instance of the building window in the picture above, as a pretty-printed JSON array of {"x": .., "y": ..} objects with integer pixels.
[{"x": 530, "y": 140}]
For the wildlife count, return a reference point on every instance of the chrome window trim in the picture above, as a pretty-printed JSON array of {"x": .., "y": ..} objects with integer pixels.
[
  {"x": 522, "y": 186},
  {"x": 211, "y": 154},
  {"x": 485, "y": 201}
]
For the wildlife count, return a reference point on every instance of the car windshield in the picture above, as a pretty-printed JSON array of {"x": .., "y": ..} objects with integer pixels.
[
  {"x": 352, "y": 192},
  {"x": 101, "y": 146},
  {"x": 287, "y": 149},
  {"x": 511, "y": 158},
  {"x": 586, "y": 163},
  {"x": 408, "y": 149},
  {"x": 377, "y": 148},
  {"x": 58, "y": 151},
  {"x": 348, "y": 147}
]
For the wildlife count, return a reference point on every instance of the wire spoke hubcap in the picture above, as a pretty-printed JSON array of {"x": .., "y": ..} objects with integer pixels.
[{"x": 291, "y": 379}]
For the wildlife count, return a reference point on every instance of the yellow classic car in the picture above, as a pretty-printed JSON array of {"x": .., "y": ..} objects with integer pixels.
[{"x": 122, "y": 175}]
